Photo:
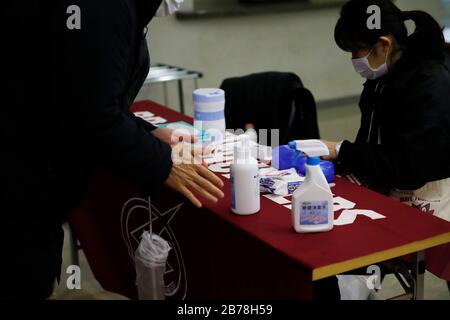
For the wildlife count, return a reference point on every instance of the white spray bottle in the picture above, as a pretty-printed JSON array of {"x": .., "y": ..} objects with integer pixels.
[
  {"x": 245, "y": 194},
  {"x": 312, "y": 202}
]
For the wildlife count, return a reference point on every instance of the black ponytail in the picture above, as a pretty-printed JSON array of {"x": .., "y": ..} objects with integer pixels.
[
  {"x": 352, "y": 33},
  {"x": 428, "y": 31}
]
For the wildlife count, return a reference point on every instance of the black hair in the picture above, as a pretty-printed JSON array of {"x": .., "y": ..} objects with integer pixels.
[{"x": 352, "y": 33}]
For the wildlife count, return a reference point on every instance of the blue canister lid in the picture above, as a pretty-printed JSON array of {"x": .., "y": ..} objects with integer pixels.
[{"x": 208, "y": 95}]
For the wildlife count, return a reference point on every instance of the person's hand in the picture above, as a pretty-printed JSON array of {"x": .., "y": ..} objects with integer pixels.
[
  {"x": 193, "y": 179},
  {"x": 189, "y": 176},
  {"x": 332, "y": 148},
  {"x": 172, "y": 137}
]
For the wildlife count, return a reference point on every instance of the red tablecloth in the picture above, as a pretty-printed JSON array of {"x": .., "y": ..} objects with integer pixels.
[{"x": 220, "y": 255}]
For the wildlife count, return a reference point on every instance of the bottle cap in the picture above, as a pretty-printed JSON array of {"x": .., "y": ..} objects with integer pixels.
[{"x": 208, "y": 95}]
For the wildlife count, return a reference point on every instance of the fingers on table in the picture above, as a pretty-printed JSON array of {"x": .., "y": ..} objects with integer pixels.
[
  {"x": 190, "y": 196},
  {"x": 208, "y": 175},
  {"x": 199, "y": 190},
  {"x": 198, "y": 180},
  {"x": 208, "y": 187}
]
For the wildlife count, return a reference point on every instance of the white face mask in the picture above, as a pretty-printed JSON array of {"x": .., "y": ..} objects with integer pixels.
[
  {"x": 168, "y": 7},
  {"x": 362, "y": 66}
]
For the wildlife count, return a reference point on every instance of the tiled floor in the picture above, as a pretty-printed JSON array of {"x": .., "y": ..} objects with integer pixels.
[{"x": 435, "y": 289}]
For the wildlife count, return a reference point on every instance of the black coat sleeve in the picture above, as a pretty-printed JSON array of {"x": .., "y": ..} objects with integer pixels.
[
  {"x": 144, "y": 124},
  {"x": 419, "y": 142},
  {"x": 90, "y": 74}
]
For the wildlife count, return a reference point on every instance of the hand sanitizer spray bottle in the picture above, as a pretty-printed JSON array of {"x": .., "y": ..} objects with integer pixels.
[
  {"x": 245, "y": 194},
  {"x": 312, "y": 202}
]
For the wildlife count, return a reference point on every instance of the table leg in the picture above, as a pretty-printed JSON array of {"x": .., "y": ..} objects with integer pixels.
[
  {"x": 181, "y": 96},
  {"x": 418, "y": 273}
]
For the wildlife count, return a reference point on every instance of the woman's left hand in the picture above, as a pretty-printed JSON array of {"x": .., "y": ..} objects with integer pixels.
[
  {"x": 332, "y": 148},
  {"x": 172, "y": 137}
]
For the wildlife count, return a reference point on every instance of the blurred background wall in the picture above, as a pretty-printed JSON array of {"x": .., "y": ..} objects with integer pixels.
[{"x": 299, "y": 42}]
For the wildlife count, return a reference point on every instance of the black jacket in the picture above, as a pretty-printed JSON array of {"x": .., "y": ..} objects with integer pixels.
[
  {"x": 65, "y": 107},
  {"x": 64, "y": 110},
  {"x": 404, "y": 139}
]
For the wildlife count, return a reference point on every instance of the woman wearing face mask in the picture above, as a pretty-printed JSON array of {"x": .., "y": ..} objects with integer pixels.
[
  {"x": 402, "y": 145},
  {"x": 405, "y": 105}
]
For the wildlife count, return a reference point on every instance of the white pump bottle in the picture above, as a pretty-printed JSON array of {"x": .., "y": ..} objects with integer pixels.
[
  {"x": 312, "y": 202},
  {"x": 245, "y": 194}
]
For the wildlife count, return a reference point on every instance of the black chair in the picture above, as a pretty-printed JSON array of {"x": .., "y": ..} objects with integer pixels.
[{"x": 271, "y": 100}]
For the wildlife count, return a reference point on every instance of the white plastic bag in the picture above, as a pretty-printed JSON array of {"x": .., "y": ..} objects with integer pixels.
[
  {"x": 432, "y": 198},
  {"x": 151, "y": 258}
]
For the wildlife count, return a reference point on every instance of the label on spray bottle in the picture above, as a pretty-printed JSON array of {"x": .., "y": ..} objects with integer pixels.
[{"x": 313, "y": 213}]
